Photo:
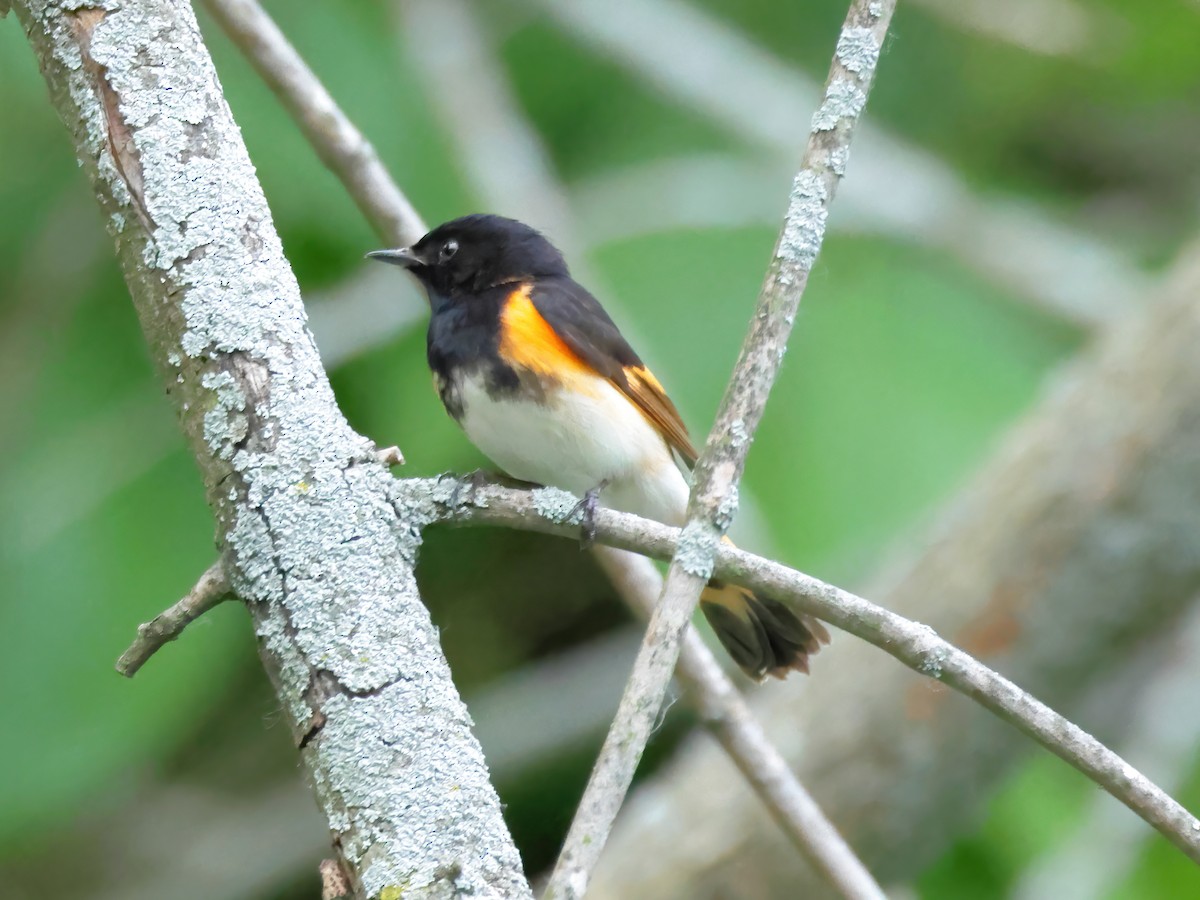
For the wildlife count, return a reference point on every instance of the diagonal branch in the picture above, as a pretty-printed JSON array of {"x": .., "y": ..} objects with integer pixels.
[
  {"x": 915, "y": 645},
  {"x": 718, "y": 471}
]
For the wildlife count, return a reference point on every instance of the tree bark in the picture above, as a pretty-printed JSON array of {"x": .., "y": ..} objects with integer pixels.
[
  {"x": 1079, "y": 539},
  {"x": 309, "y": 537}
]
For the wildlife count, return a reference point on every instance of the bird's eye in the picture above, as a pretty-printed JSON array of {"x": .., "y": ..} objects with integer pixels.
[{"x": 448, "y": 250}]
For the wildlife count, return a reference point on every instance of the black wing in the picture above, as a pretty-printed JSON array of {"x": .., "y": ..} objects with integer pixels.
[{"x": 578, "y": 318}]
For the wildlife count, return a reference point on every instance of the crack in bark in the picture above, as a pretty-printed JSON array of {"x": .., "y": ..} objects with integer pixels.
[
  {"x": 253, "y": 377},
  {"x": 117, "y": 133},
  {"x": 324, "y": 684}
]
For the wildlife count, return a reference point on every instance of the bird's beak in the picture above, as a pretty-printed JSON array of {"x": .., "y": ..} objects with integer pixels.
[{"x": 405, "y": 257}]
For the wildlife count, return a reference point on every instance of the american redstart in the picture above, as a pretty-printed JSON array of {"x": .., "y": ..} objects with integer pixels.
[{"x": 540, "y": 379}]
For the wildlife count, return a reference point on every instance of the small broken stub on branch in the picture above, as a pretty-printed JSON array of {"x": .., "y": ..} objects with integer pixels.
[{"x": 334, "y": 883}]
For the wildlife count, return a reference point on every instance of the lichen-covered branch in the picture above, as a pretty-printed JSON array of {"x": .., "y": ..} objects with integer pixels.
[
  {"x": 917, "y": 646},
  {"x": 715, "y": 479},
  {"x": 311, "y": 541}
]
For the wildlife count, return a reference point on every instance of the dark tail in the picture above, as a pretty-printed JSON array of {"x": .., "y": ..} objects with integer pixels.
[{"x": 762, "y": 635}]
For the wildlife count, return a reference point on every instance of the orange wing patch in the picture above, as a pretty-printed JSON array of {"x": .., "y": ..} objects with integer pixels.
[
  {"x": 648, "y": 395},
  {"x": 528, "y": 342}
]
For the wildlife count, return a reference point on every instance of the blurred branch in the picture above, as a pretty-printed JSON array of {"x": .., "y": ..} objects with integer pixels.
[
  {"x": 338, "y": 143},
  {"x": 1047, "y": 27},
  {"x": 726, "y": 714},
  {"x": 366, "y": 311},
  {"x": 468, "y": 88},
  {"x": 300, "y": 500},
  {"x": 701, "y": 62},
  {"x": 1077, "y": 541},
  {"x": 915, "y": 645},
  {"x": 1164, "y": 734},
  {"x": 210, "y": 589},
  {"x": 1049, "y": 266}
]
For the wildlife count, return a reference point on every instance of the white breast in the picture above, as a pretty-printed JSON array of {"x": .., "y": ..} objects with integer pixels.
[{"x": 575, "y": 440}]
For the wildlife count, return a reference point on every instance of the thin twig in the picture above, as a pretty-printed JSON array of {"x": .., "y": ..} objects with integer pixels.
[
  {"x": 210, "y": 589},
  {"x": 338, "y": 143},
  {"x": 915, "y": 645},
  {"x": 726, "y": 714},
  {"x": 719, "y": 469}
]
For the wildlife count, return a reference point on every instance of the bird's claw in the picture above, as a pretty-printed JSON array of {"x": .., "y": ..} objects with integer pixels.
[
  {"x": 466, "y": 487},
  {"x": 586, "y": 509}
]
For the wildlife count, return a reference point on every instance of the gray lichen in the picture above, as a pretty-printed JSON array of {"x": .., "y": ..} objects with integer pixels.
[
  {"x": 726, "y": 509},
  {"x": 858, "y": 50},
  {"x": 843, "y": 100},
  {"x": 225, "y": 425},
  {"x": 932, "y": 663},
  {"x": 738, "y": 436},
  {"x": 933, "y": 652},
  {"x": 839, "y": 158},
  {"x": 557, "y": 506},
  {"x": 805, "y": 226},
  {"x": 697, "y": 549}
]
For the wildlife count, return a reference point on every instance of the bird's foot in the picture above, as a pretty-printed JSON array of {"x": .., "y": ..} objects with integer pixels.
[
  {"x": 466, "y": 487},
  {"x": 586, "y": 509}
]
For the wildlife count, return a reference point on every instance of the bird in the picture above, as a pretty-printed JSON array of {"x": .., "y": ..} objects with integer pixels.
[{"x": 543, "y": 383}]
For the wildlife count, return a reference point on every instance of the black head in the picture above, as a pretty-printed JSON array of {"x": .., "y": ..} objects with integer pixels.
[{"x": 469, "y": 255}]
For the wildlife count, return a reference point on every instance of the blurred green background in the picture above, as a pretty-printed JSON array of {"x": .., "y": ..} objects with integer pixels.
[{"x": 1025, "y": 176}]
